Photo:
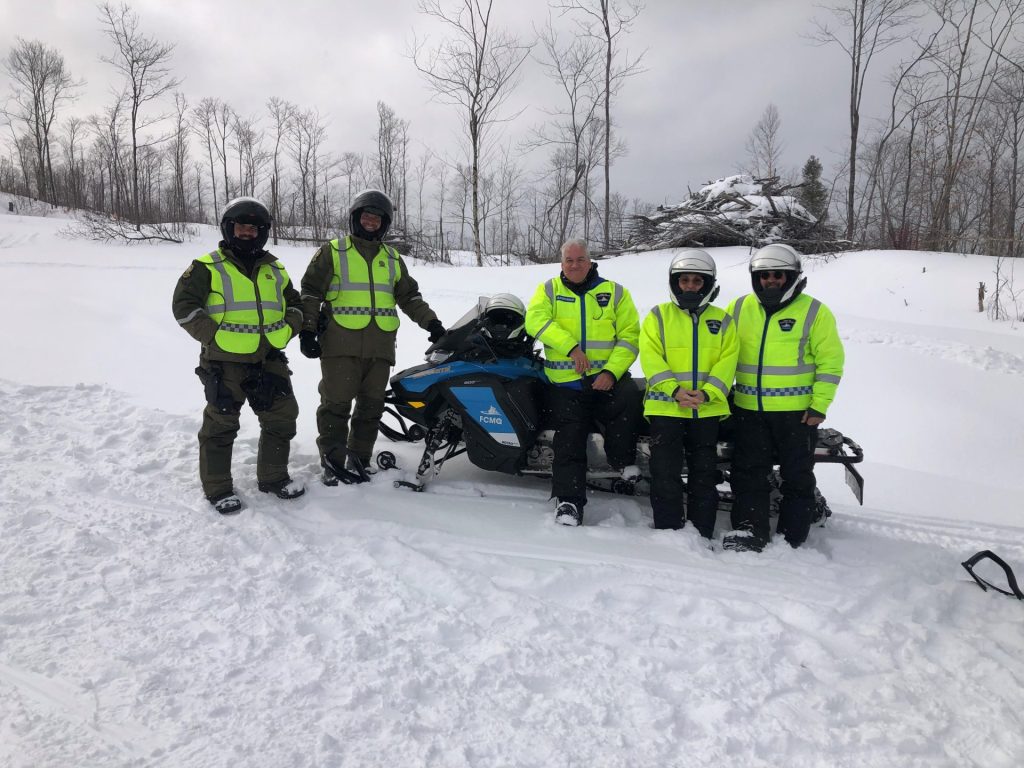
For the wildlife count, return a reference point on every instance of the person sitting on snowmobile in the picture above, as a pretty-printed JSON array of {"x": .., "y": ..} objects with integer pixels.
[
  {"x": 688, "y": 350},
  {"x": 790, "y": 364},
  {"x": 590, "y": 330}
]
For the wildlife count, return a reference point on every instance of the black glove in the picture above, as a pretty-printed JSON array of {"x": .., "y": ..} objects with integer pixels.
[
  {"x": 436, "y": 331},
  {"x": 308, "y": 344}
]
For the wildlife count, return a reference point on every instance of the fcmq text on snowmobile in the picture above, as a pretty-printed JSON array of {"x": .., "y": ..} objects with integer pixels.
[{"x": 481, "y": 393}]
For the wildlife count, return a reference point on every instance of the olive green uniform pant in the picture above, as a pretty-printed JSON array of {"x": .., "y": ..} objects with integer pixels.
[
  {"x": 220, "y": 422},
  {"x": 345, "y": 379}
]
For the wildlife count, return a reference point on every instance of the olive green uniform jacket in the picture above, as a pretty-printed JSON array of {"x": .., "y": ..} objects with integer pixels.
[
  {"x": 370, "y": 342},
  {"x": 189, "y": 307}
]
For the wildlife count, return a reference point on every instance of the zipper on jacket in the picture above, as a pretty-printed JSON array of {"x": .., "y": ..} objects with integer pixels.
[
  {"x": 693, "y": 373},
  {"x": 583, "y": 323}
]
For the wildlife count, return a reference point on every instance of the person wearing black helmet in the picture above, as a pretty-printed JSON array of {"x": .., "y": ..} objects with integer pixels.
[
  {"x": 351, "y": 294},
  {"x": 688, "y": 351},
  {"x": 239, "y": 303},
  {"x": 790, "y": 364}
]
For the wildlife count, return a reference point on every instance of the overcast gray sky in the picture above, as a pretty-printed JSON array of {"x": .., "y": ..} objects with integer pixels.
[{"x": 711, "y": 69}]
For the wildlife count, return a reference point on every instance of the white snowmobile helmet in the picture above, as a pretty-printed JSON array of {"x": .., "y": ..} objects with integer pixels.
[
  {"x": 697, "y": 262},
  {"x": 777, "y": 257},
  {"x": 504, "y": 318}
]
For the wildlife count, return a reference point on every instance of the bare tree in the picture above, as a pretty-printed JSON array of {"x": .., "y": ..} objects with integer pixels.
[
  {"x": 179, "y": 158},
  {"x": 203, "y": 118},
  {"x": 281, "y": 114},
  {"x": 40, "y": 83},
  {"x": 476, "y": 69},
  {"x": 764, "y": 146},
  {"x": 862, "y": 29},
  {"x": 607, "y": 20},
  {"x": 143, "y": 62},
  {"x": 392, "y": 147},
  {"x": 223, "y": 130}
]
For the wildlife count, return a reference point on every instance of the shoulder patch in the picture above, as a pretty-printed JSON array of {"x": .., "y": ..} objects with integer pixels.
[
  {"x": 787, "y": 323},
  {"x": 603, "y": 299},
  {"x": 188, "y": 271},
  {"x": 714, "y": 326}
]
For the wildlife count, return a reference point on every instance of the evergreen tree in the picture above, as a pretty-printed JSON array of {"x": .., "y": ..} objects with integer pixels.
[{"x": 813, "y": 195}]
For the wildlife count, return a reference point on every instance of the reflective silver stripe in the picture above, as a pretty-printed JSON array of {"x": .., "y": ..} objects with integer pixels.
[
  {"x": 617, "y": 295},
  {"x": 627, "y": 345},
  {"x": 215, "y": 309},
  {"x": 549, "y": 289},
  {"x": 225, "y": 278},
  {"x": 737, "y": 308},
  {"x": 600, "y": 345},
  {"x": 385, "y": 312},
  {"x": 305, "y": 296},
  {"x": 743, "y": 389},
  {"x": 350, "y": 286},
  {"x": 661, "y": 327},
  {"x": 559, "y": 365},
  {"x": 392, "y": 266},
  {"x": 776, "y": 370},
  {"x": 274, "y": 326},
  {"x": 828, "y": 378},
  {"x": 726, "y": 322},
  {"x": 812, "y": 313},
  {"x": 387, "y": 289},
  {"x": 191, "y": 315},
  {"x": 717, "y": 384},
  {"x": 660, "y": 377},
  {"x": 661, "y": 397},
  {"x": 240, "y": 328},
  {"x": 351, "y": 310},
  {"x": 543, "y": 328}
]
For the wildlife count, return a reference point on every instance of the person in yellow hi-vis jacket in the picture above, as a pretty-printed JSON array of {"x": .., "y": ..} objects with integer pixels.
[
  {"x": 790, "y": 364},
  {"x": 590, "y": 329},
  {"x": 240, "y": 304},
  {"x": 688, "y": 351}
]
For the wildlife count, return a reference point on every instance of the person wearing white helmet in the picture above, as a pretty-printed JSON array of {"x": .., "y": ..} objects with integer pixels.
[
  {"x": 790, "y": 364},
  {"x": 688, "y": 351}
]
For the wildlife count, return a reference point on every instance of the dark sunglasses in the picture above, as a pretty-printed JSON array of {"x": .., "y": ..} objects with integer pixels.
[{"x": 772, "y": 274}]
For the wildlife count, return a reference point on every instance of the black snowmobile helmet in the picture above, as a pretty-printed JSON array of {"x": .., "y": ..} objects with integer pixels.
[
  {"x": 777, "y": 258},
  {"x": 693, "y": 261},
  {"x": 371, "y": 201},
  {"x": 245, "y": 210}
]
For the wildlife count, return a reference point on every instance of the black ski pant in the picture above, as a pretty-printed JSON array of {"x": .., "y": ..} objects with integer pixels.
[
  {"x": 575, "y": 411},
  {"x": 345, "y": 379},
  {"x": 763, "y": 438},
  {"x": 695, "y": 441}
]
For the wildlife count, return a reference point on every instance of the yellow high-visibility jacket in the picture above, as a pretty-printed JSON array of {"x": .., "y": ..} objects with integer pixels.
[
  {"x": 790, "y": 360},
  {"x": 357, "y": 294},
  {"x": 603, "y": 322},
  {"x": 683, "y": 349}
]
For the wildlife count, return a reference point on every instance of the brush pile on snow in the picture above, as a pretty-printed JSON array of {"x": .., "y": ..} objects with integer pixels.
[{"x": 736, "y": 210}]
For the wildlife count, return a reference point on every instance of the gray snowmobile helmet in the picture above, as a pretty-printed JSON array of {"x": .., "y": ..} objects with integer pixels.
[
  {"x": 697, "y": 262},
  {"x": 777, "y": 258},
  {"x": 371, "y": 201},
  {"x": 245, "y": 210},
  {"x": 504, "y": 318}
]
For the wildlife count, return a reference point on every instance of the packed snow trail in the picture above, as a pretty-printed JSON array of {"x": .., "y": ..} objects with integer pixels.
[{"x": 461, "y": 627}]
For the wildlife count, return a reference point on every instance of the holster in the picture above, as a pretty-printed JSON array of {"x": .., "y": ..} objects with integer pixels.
[
  {"x": 217, "y": 395},
  {"x": 262, "y": 387}
]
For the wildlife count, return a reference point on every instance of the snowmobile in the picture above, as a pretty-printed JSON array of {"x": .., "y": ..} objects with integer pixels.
[{"x": 481, "y": 393}]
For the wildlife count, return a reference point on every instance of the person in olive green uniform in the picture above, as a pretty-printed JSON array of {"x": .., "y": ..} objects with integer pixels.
[
  {"x": 239, "y": 303},
  {"x": 351, "y": 294}
]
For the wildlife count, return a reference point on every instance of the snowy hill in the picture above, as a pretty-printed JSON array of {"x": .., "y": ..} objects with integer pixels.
[{"x": 367, "y": 626}]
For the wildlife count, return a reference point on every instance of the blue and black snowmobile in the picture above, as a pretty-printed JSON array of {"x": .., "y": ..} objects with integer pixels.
[{"x": 481, "y": 393}]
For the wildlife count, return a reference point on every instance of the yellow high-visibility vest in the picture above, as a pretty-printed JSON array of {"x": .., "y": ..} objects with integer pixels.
[
  {"x": 246, "y": 309},
  {"x": 357, "y": 294}
]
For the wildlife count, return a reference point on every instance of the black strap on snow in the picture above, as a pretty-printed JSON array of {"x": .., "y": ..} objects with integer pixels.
[{"x": 973, "y": 560}]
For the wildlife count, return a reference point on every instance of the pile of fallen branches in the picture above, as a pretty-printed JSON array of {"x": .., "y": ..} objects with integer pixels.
[
  {"x": 738, "y": 210},
  {"x": 106, "y": 228}
]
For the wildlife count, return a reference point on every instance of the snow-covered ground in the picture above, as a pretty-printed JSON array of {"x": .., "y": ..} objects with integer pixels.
[{"x": 368, "y": 626}]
